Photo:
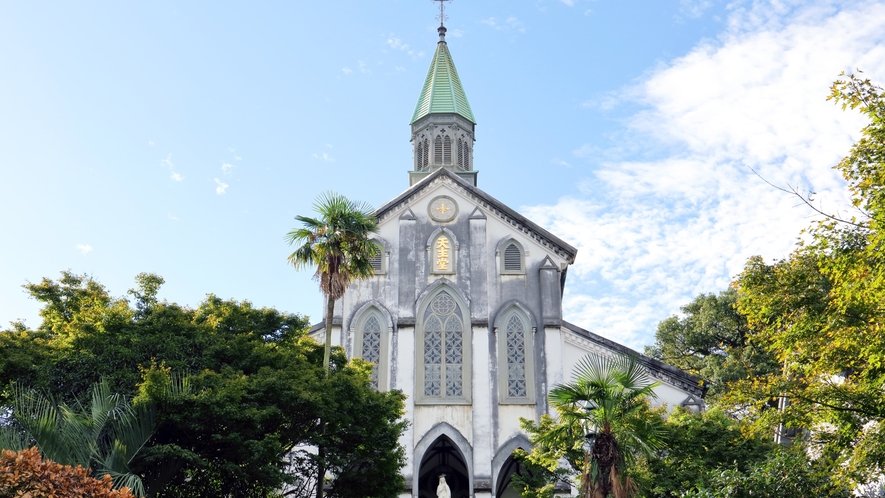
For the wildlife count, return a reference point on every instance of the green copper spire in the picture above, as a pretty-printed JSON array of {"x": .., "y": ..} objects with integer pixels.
[{"x": 442, "y": 92}]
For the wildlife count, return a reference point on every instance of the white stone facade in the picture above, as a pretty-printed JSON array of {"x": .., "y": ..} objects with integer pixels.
[{"x": 475, "y": 344}]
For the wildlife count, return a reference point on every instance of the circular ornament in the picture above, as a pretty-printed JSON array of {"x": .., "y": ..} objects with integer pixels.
[{"x": 443, "y": 208}]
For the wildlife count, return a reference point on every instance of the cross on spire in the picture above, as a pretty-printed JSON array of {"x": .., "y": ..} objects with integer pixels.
[{"x": 442, "y": 11}]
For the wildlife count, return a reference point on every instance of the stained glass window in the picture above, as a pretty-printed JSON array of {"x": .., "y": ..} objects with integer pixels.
[
  {"x": 372, "y": 345},
  {"x": 443, "y": 348},
  {"x": 516, "y": 374}
]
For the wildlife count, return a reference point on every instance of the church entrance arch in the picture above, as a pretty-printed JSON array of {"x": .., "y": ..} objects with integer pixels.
[
  {"x": 511, "y": 467},
  {"x": 443, "y": 458}
]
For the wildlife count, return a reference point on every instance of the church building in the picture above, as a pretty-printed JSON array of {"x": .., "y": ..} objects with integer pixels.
[{"x": 464, "y": 313}]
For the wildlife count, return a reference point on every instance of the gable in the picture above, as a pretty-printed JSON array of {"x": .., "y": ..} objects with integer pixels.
[{"x": 473, "y": 203}]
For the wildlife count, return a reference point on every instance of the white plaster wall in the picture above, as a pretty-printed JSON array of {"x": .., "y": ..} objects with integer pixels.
[
  {"x": 482, "y": 404},
  {"x": 458, "y": 416},
  {"x": 508, "y": 420},
  {"x": 405, "y": 381}
]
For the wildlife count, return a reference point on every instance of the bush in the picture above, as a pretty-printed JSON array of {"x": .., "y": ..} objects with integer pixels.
[{"x": 24, "y": 473}]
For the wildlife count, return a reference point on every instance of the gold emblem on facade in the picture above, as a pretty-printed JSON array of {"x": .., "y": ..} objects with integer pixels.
[
  {"x": 442, "y": 253},
  {"x": 443, "y": 209}
]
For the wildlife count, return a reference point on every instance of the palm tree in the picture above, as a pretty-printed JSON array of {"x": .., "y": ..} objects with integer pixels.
[
  {"x": 106, "y": 434},
  {"x": 338, "y": 244},
  {"x": 603, "y": 402}
]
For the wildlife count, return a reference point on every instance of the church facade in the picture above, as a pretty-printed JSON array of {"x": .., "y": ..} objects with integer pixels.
[{"x": 464, "y": 313}]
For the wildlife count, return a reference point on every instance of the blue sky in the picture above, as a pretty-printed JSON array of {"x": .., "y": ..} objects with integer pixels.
[{"x": 182, "y": 138}]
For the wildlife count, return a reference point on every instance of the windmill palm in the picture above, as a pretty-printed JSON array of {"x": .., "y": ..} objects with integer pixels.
[
  {"x": 336, "y": 243},
  {"x": 603, "y": 402},
  {"x": 106, "y": 434}
]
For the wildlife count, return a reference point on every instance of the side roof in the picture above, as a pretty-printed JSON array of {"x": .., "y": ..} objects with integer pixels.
[
  {"x": 509, "y": 216},
  {"x": 658, "y": 369}
]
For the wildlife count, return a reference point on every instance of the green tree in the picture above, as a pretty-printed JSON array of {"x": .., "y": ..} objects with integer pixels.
[
  {"x": 697, "y": 444},
  {"x": 784, "y": 473},
  {"x": 337, "y": 244},
  {"x": 607, "y": 405},
  {"x": 713, "y": 341},
  {"x": 258, "y": 390},
  {"x": 820, "y": 313}
]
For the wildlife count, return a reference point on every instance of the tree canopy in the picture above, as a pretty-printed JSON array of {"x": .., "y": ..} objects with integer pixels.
[{"x": 257, "y": 390}]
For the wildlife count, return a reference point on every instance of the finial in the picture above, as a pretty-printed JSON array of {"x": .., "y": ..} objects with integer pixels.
[{"x": 442, "y": 11}]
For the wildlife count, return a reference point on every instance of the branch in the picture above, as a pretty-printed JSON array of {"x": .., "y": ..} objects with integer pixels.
[{"x": 792, "y": 190}]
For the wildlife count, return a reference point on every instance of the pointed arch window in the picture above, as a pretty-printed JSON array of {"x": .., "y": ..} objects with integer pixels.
[
  {"x": 424, "y": 158},
  {"x": 444, "y": 351},
  {"x": 466, "y": 156},
  {"x": 460, "y": 154},
  {"x": 437, "y": 150},
  {"x": 419, "y": 155},
  {"x": 447, "y": 150},
  {"x": 512, "y": 258},
  {"x": 379, "y": 260},
  {"x": 371, "y": 344},
  {"x": 515, "y": 350}
]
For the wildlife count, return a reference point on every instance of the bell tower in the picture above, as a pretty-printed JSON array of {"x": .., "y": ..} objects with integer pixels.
[{"x": 443, "y": 124}]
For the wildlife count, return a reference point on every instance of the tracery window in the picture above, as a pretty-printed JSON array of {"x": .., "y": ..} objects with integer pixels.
[
  {"x": 516, "y": 378},
  {"x": 444, "y": 358},
  {"x": 371, "y": 344},
  {"x": 515, "y": 350}
]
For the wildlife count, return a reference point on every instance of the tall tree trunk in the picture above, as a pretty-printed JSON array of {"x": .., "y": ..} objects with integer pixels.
[
  {"x": 321, "y": 467},
  {"x": 327, "y": 355}
]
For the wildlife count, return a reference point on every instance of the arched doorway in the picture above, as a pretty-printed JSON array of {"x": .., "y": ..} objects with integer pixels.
[
  {"x": 443, "y": 457},
  {"x": 510, "y": 468}
]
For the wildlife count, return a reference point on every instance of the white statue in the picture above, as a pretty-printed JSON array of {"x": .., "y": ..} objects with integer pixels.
[{"x": 443, "y": 491}]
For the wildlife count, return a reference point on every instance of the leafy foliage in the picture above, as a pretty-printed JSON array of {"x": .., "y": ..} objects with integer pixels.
[
  {"x": 713, "y": 341},
  {"x": 105, "y": 435},
  {"x": 820, "y": 313},
  {"x": 338, "y": 245},
  {"x": 24, "y": 473},
  {"x": 238, "y": 391},
  {"x": 785, "y": 473},
  {"x": 698, "y": 445},
  {"x": 608, "y": 400}
]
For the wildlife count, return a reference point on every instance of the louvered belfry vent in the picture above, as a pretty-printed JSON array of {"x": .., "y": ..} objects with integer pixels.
[
  {"x": 375, "y": 261},
  {"x": 512, "y": 258}
]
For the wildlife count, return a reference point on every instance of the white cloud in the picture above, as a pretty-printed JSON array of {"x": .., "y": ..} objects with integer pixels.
[
  {"x": 400, "y": 68},
  {"x": 346, "y": 70},
  {"x": 238, "y": 158},
  {"x": 169, "y": 215},
  {"x": 363, "y": 68},
  {"x": 83, "y": 248},
  {"x": 227, "y": 169},
  {"x": 231, "y": 149},
  {"x": 454, "y": 33},
  {"x": 694, "y": 8},
  {"x": 570, "y": 3},
  {"x": 176, "y": 177},
  {"x": 324, "y": 157},
  {"x": 673, "y": 210},
  {"x": 168, "y": 162},
  {"x": 151, "y": 143},
  {"x": 397, "y": 44},
  {"x": 220, "y": 187},
  {"x": 511, "y": 23}
]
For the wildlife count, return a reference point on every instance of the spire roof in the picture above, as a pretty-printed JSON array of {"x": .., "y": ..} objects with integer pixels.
[{"x": 442, "y": 91}]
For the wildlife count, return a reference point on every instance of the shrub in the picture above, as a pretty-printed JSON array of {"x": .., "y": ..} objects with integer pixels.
[{"x": 24, "y": 473}]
